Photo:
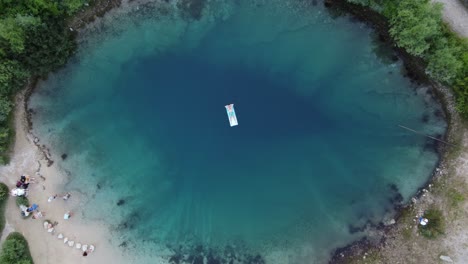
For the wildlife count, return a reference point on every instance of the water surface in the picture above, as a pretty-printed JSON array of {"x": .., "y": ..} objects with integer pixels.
[{"x": 316, "y": 156}]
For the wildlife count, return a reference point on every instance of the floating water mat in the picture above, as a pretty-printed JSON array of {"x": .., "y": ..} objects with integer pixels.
[{"x": 231, "y": 114}]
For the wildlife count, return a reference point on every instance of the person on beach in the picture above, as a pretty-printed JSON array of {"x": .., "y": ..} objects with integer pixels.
[
  {"x": 89, "y": 250},
  {"x": 423, "y": 221},
  {"x": 38, "y": 214},
  {"x": 50, "y": 226},
  {"x": 66, "y": 196},
  {"x": 24, "y": 185},
  {"x": 27, "y": 179},
  {"x": 51, "y": 198},
  {"x": 67, "y": 215},
  {"x": 32, "y": 208}
]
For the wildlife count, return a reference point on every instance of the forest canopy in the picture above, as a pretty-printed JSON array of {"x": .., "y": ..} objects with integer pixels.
[{"x": 34, "y": 40}]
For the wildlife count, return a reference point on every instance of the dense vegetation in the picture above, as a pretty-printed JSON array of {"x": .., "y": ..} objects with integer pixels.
[
  {"x": 3, "y": 201},
  {"x": 417, "y": 26},
  {"x": 34, "y": 40},
  {"x": 15, "y": 250}
]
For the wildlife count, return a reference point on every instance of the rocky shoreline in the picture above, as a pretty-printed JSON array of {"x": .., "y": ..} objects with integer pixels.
[{"x": 367, "y": 249}]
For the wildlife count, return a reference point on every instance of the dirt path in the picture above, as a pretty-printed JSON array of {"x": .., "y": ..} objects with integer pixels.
[{"x": 456, "y": 15}]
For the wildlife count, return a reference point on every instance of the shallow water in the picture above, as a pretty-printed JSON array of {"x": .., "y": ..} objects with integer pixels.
[{"x": 316, "y": 156}]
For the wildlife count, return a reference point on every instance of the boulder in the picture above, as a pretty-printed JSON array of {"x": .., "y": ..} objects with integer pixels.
[{"x": 446, "y": 259}]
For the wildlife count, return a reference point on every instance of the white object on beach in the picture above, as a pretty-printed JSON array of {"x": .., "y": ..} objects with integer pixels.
[
  {"x": 60, "y": 236},
  {"x": 50, "y": 230},
  {"x": 46, "y": 224},
  {"x": 446, "y": 258},
  {"x": 78, "y": 246},
  {"x": 84, "y": 247},
  {"x": 231, "y": 115},
  {"x": 71, "y": 243},
  {"x": 424, "y": 221},
  {"x": 18, "y": 192},
  {"x": 91, "y": 248},
  {"x": 65, "y": 240}
]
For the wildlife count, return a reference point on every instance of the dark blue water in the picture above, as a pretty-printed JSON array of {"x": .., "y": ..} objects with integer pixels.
[{"x": 317, "y": 153}]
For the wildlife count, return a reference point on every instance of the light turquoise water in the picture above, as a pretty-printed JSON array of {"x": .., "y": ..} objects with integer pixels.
[{"x": 317, "y": 153}]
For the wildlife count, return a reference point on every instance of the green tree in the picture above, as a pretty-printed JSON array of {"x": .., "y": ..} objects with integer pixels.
[
  {"x": 5, "y": 109},
  {"x": 15, "y": 250},
  {"x": 13, "y": 30},
  {"x": 12, "y": 76},
  {"x": 415, "y": 25},
  {"x": 444, "y": 64},
  {"x": 13, "y": 34},
  {"x": 71, "y": 6},
  {"x": 3, "y": 192},
  {"x": 49, "y": 47}
]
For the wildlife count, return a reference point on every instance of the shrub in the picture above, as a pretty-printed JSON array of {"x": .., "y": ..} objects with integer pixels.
[
  {"x": 3, "y": 191},
  {"x": 22, "y": 201},
  {"x": 15, "y": 250},
  {"x": 435, "y": 226},
  {"x": 415, "y": 25},
  {"x": 3, "y": 199}
]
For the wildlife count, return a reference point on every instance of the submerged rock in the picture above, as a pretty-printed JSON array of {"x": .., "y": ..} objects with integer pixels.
[{"x": 192, "y": 8}]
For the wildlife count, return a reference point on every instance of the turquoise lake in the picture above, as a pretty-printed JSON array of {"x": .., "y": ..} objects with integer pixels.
[{"x": 317, "y": 154}]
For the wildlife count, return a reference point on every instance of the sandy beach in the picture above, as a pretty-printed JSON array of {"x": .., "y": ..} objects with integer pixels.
[{"x": 47, "y": 248}]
